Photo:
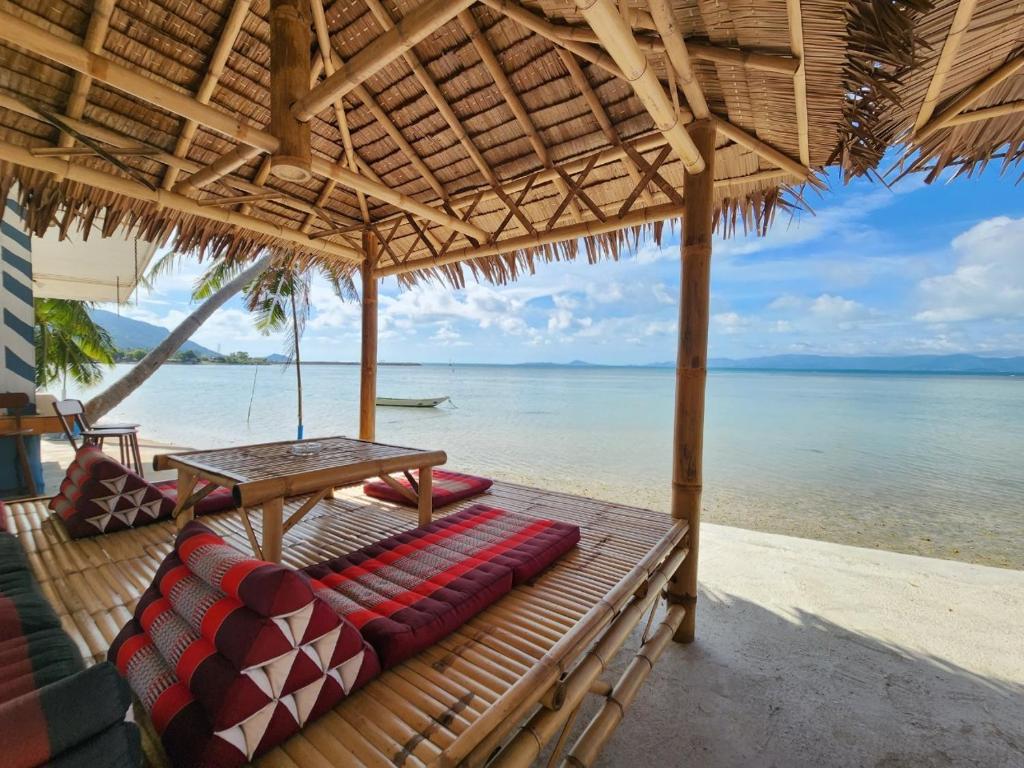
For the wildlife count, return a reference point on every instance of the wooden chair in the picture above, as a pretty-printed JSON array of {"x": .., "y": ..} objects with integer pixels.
[
  {"x": 76, "y": 425},
  {"x": 15, "y": 404}
]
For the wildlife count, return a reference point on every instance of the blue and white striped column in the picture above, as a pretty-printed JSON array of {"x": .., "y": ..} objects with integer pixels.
[
  {"x": 16, "y": 333},
  {"x": 17, "y": 346}
]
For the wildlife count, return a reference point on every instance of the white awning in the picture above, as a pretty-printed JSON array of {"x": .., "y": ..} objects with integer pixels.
[{"x": 102, "y": 269}]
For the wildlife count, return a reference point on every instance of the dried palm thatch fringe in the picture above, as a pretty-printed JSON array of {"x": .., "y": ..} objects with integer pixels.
[
  {"x": 883, "y": 48},
  {"x": 71, "y": 206}
]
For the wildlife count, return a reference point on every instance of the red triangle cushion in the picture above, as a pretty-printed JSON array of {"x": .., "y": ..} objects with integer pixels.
[
  {"x": 230, "y": 655},
  {"x": 448, "y": 488},
  {"x": 410, "y": 590}
]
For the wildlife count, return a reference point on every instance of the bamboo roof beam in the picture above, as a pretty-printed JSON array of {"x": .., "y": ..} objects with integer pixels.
[
  {"x": 504, "y": 85},
  {"x": 971, "y": 95},
  {"x": 95, "y": 35},
  {"x": 169, "y": 200},
  {"x": 411, "y": 29},
  {"x": 31, "y": 37},
  {"x": 256, "y": 198},
  {"x": 225, "y": 44},
  {"x": 796, "y": 45},
  {"x": 950, "y": 49},
  {"x": 679, "y": 57},
  {"x": 617, "y": 37},
  {"x": 634, "y": 218},
  {"x": 579, "y": 79},
  {"x": 225, "y": 164},
  {"x": 89, "y": 152},
  {"x": 546, "y": 29},
  {"x": 986, "y": 113},
  {"x": 121, "y": 141},
  {"x": 383, "y": 17},
  {"x": 323, "y": 40},
  {"x": 763, "y": 149}
]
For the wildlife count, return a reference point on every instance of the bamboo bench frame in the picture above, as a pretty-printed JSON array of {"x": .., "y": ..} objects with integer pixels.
[{"x": 511, "y": 679}]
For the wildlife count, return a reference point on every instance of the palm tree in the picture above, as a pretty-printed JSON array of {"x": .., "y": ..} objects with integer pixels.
[
  {"x": 280, "y": 299},
  {"x": 69, "y": 344},
  {"x": 222, "y": 281}
]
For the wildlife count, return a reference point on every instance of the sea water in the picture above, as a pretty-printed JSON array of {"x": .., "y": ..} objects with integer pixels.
[{"x": 927, "y": 464}]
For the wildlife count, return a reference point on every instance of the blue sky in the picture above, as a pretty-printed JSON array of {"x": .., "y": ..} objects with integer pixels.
[{"x": 914, "y": 269}]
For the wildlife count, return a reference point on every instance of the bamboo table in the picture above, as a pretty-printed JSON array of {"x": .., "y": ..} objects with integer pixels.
[{"x": 266, "y": 474}]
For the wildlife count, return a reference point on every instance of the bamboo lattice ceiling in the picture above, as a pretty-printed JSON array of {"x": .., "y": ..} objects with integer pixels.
[{"x": 507, "y": 130}]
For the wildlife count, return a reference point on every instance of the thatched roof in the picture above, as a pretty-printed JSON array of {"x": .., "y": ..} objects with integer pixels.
[{"x": 480, "y": 131}]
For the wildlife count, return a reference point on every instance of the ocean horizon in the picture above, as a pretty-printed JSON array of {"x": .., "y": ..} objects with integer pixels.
[{"x": 920, "y": 462}]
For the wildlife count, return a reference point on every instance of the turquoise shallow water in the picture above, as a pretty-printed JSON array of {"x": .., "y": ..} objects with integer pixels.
[{"x": 926, "y": 464}]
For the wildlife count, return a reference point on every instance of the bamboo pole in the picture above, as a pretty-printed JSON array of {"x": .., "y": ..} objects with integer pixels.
[
  {"x": 95, "y": 34},
  {"x": 679, "y": 57},
  {"x": 218, "y": 169},
  {"x": 368, "y": 356},
  {"x": 225, "y": 44},
  {"x": 290, "y": 41},
  {"x": 950, "y": 49},
  {"x": 257, "y": 198},
  {"x": 519, "y": 111},
  {"x": 765, "y": 62},
  {"x": 761, "y": 148},
  {"x": 691, "y": 369},
  {"x": 27, "y": 36},
  {"x": 273, "y": 529},
  {"x": 603, "y": 17},
  {"x": 108, "y": 136},
  {"x": 169, "y": 200},
  {"x": 90, "y": 152},
  {"x": 796, "y": 45},
  {"x": 414, "y": 27},
  {"x": 986, "y": 113},
  {"x": 971, "y": 95},
  {"x": 559, "y": 234}
]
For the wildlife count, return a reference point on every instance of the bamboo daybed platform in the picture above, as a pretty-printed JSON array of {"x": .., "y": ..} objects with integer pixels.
[{"x": 530, "y": 659}]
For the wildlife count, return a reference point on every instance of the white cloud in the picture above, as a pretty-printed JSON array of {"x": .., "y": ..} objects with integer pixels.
[
  {"x": 988, "y": 281},
  {"x": 836, "y": 307}
]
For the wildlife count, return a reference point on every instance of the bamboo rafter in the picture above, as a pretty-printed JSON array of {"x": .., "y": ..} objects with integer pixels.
[
  {"x": 679, "y": 57},
  {"x": 257, "y": 198},
  {"x": 61, "y": 151},
  {"x": 411, "y": 29},
  {"x": 986, "y": 113},
  {"x": 225, "y": 44},
  {"x": 796, "y": 44},
  {"x": 971, "y": 95},
  {"x": 23, "y": 34},
  {"x": 950, "y": 49},
  {"x": 96, "y": 33}
]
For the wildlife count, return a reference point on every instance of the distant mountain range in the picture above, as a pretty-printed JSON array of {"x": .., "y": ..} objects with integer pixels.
[
  {"x": 136, "y": 334},
  {"x": 881, "y": 364}
]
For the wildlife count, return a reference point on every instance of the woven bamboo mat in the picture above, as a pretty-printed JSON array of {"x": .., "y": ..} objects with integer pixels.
[{"x": 412, "y": 713}]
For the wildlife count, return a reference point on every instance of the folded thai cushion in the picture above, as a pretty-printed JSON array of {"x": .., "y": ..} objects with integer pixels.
[
  {"x": 101, "y": 495},
  {"x": 447, "y": 488},
  {"x": 410, "y": 590},
  {"x": 231, "y": 655}
]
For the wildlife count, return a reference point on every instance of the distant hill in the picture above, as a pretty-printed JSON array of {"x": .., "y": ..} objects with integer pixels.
[
  {"x": 901, "y": 364},
  {"x": 136, "y": 334}
]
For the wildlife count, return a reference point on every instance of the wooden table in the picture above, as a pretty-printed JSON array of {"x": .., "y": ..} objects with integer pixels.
[{"x": 265, "y": 475}]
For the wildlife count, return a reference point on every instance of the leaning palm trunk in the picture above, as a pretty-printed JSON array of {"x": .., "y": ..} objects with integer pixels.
[{"x": 113, "y": 395}]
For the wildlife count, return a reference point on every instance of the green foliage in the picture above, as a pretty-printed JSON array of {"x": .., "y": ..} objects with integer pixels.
[{"x": 69, "y": 344}]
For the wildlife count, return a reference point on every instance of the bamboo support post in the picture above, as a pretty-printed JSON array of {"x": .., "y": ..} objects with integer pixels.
[
  {"x": 183, "y": 513},
  {"x": 170, "y": 200},
  {"x": 290, "y": 41},
  {"x": 411, "y": 29},
  {"x": 617, "y": 37},
  {"x": 425, "y": 495},
  {"x": 691, "y": 369},
  {"x": 604, "y": 723},
  {"x": 273, "y": 529},
  {"x": 368, "y": 354},
  {"x": 971, "y": 95}
]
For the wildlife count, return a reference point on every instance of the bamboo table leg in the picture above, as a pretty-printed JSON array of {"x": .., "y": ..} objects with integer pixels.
[
  {"x": 186, "y": 485},
  {"x": 426, "y": 494},
  {"x": 273, "y": 529}
]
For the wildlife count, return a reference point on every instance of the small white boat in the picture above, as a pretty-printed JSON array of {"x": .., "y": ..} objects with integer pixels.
[{"x": 411, "y": 402}]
